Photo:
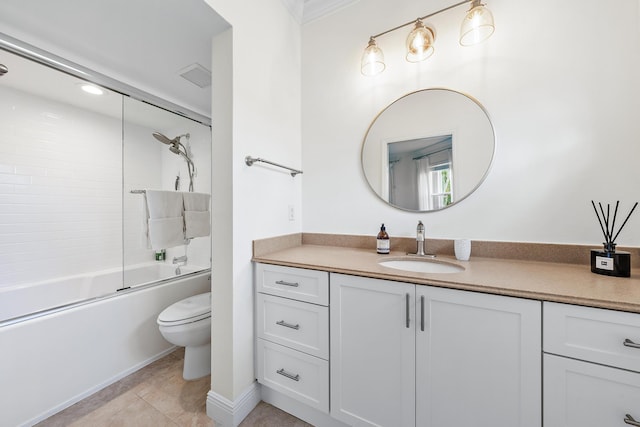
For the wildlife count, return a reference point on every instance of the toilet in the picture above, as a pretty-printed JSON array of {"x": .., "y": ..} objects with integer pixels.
[{"x": 187, "y": 323}]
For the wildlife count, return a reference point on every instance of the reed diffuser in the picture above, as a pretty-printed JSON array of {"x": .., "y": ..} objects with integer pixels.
[{"x": 609, "y": 261}]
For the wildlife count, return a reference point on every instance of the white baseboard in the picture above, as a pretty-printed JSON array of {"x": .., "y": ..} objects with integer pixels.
[
  {"x": 298, "y": 409},
  {"x": 227, "y": 413}
]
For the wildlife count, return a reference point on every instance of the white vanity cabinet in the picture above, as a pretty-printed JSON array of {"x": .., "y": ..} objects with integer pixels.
[
  {"x": 591, "y": 367},
  {"x": 478, "y": 359},
  {"x": 407, "y": 355},
  {"x": 372, "y": 351},
  {"x": 292, "y": 321}
]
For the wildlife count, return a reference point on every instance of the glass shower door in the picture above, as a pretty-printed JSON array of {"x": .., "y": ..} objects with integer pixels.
[
  {"x": 60, "y": 188},
  {"x": 165, "y": 156}
]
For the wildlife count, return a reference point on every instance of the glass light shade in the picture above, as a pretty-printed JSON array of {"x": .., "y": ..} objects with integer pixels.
[
  {"x": 372, "y": 59},
  {"x": 420, "y": 43},
  {"x": 477, "y": 25}
]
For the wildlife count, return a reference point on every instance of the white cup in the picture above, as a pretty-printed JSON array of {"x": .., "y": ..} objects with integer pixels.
[{"x": 462, "y": 249}]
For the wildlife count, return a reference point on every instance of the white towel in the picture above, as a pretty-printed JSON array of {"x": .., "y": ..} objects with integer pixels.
[
  {"x": 166, "y": 232},
  {"x": 164, "y": 204},
  {"x": 196, "y": 201},
  {"x": 164, "y": 218},
  {"x": 197, "y": 219},
  {"x": 197, "y": 224}
]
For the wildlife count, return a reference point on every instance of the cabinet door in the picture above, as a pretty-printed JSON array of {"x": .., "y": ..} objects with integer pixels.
[
  {"x": 372, "y": 351},
  {"x": 581, "y": 394},
  {"x": 478, "y": 359}
]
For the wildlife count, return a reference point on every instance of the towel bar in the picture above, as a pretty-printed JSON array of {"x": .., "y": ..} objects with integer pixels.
[{"x": 251, "y": 160}]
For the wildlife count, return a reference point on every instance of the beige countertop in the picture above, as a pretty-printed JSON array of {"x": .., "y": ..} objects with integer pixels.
[{"x": 546, "y": 281}]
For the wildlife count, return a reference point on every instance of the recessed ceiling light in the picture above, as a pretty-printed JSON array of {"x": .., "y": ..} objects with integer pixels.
[{"x": 93, "y": 90}]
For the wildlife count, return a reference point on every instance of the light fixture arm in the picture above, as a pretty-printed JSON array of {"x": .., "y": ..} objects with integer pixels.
[{"x": 422, "y": 18}]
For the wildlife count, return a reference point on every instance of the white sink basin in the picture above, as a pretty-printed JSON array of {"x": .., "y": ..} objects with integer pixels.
[{"x": 418, "y": 265}]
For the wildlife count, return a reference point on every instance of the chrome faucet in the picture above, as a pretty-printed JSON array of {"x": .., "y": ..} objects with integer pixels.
[
  {"x": 421, "y": 242},
  {"x": 420, "y": 239}
]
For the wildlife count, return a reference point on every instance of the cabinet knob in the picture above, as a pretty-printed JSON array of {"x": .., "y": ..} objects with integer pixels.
[
  {"x": 629, "y": 343},
  {"x": 628, "y": 419}
]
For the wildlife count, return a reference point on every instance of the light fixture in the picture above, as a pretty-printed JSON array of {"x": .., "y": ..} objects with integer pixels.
[
  {"x": 93, "y": 90},
  {"x": 420, "y": 43},
  {"x": 372, "y": 59},
  {"x": 477, "y": 26}
]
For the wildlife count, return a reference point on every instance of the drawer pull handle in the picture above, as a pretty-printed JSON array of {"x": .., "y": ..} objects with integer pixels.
[
  {"x": 284, "y": 373},
  {"x": 292, "y": 284},
  {"x": 629, "y": 343},
  {"x": 288, "y": 325},
  {"x": 628, "y": 419}
]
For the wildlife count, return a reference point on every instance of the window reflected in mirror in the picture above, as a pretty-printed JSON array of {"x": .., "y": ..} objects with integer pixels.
[{"x": 420, "y": 172}]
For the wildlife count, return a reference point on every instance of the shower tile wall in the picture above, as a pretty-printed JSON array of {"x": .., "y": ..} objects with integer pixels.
[{"x": 60, "y": 189}]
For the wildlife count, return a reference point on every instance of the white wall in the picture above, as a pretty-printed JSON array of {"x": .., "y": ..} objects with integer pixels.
[
  {"x": 558, "y": 79},
  {"x": 250, "y": 202}
]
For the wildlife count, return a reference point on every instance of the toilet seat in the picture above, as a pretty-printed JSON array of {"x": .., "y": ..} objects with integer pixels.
[{"x": 188, "y": 310}]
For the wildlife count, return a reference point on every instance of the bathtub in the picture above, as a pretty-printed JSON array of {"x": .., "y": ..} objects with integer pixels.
[
  {"x": 34, "y": 298},
  {"x": 85, "y": 341}
]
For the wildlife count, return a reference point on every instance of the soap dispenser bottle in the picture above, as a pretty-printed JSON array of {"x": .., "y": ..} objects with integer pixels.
[{"x": 382, "y": 241}]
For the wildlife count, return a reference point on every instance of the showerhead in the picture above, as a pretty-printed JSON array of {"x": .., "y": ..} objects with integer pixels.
[
  {"x": 174, "y": 146},
  {"x": 162, "y": 138}
]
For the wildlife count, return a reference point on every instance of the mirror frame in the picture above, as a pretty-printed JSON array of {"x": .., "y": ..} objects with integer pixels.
[{"x": 457, "y": 200}]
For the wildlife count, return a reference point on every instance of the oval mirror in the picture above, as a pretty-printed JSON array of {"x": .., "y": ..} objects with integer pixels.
[{"x": 428, "y": 150}]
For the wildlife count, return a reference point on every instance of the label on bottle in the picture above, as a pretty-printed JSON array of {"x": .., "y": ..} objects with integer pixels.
[
  {"x": 383, "y": 246},
  {"x": 604, "y": 263}
]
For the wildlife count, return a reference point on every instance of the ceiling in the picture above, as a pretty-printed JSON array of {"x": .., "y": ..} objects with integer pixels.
[{"x": 143, "y": 43}]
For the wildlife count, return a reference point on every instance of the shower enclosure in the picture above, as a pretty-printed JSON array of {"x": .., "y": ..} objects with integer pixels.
[{"x": 73, "y": 167}]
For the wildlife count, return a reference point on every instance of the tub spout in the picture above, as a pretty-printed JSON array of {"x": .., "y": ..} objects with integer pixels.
[{"x": 177, "y": 259}]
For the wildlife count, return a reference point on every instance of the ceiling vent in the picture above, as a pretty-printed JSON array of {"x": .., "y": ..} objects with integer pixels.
[{"x": 197, "y": 74}]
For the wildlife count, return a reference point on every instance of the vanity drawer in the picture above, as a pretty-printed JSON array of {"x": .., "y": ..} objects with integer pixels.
[
  {"x": 297, "y": 283},
  {"x": 295, "y": 374},
  {"x": 299, "y": 325},
  {"x": 596, "y": 335},
  {"x": 582, "y": 394}
]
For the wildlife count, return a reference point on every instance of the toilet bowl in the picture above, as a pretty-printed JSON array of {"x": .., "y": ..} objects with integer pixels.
[{"x": 187, "y": 323}]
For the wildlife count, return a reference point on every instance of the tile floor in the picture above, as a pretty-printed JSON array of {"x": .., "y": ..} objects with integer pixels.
[{"x": 158, "y": 396}]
